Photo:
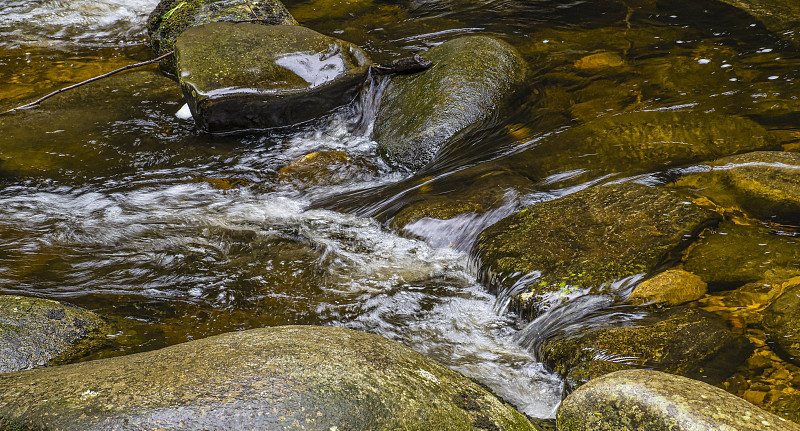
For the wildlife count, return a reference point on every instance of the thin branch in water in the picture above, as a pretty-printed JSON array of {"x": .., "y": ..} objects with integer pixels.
[{"x": 130, "y": 66}]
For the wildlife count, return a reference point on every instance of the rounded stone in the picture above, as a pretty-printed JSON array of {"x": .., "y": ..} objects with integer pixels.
[
  {"x": 35, "y": 331},
  {"x": 650, "y": 400},
  {"x": 782, "y": 323},
  {"x": 671, "y": 287},
  {"x": 291, "y": 377}
]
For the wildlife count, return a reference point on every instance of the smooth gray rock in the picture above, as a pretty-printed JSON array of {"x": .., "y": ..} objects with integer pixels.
[
  {"x": 250, "y": 77},
  {"x": 639, "y": 400},
  {"x": 420, "y": 113},
  {"x": 35, "y": 331},
  {"x": 291, "y": 377}
]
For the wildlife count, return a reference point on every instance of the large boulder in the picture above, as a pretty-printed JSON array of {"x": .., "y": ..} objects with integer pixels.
[
  {"x": 782, "y": 323},
  {"x": 242, "y": 76},
  {"x": 583, "y": 240},
  {"x": 36, "y": 332},
  {"x": 765, "y": 184},
  {"x": 683, "y": 340},
  {"x": 293, "y": 377},
  {"x": 734, "y": 255},
  {"x": 420, "y": 113},
  {"x": 171, "y": 17},
  {"x": 649, "y": 400}
]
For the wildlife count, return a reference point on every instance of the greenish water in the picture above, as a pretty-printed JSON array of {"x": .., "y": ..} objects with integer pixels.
[{"x": 110, "y": 202}]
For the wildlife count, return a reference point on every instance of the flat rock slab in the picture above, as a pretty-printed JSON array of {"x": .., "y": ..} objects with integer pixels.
[
  {"x": 650, "y": 400},
  {"x": 291, "y": 377},
  {"x": 36, "y": 332},
  {"x": 782, "y": 324},
  {"x": 682, "y": 340},
  {"x": 250, "y": 77},
  {"x": 171, "y": 17},
  {"x": 420, "y": 113},
  {"x": 586, "y": 239},
  {"x": 734, "y": 255},
  {"x": 765, "y": 184}
]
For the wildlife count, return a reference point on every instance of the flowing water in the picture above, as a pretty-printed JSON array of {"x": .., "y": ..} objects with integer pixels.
[{"x": 127, "y": 210}]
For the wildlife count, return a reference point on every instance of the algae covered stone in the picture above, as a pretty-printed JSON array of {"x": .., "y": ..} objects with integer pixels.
[
  {"x": 634, "y": 400},
  {"x": 292, "y": 377},
  {"x": 420, "y": 113},
  {"x": 765, "y": 184},
  {"x": 171, "y": 17},
  {"x": 682, "y": 340},
  {"x": 247, "y": 76},
  {"x": 36, "y": 332},
  {"x": 782, "y": 323},
  {"x": 583, "y": 240}
]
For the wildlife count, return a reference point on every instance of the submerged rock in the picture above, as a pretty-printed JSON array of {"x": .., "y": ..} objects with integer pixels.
[
  {"x": 672, "y": 287},
  {"x": 171, "y": 17},
  {"x": 586, "y": 239},
  {"x": 765, "y": 184},
  {"x": 292, "y": 377},
  {"x": 779, "y": 16},
  {"x": 782, "y": 323},
  {"x": 637, "y": 142},
  {"x": 735, "y": 254},
  {"x": 420, "y": 113},
  {"x": 683, "y": 340},
  {"x": 36, "y": 332},
  {"x": 247, "y": 76},
  {"x": 649, "y": 400},
  {"x": 325, "y": 168}
]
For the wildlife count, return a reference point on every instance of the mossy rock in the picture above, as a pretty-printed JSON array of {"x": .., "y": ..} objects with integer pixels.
[
  {"x": 250, "y": 77},
  {"x": 638, "y": 142},
  {"x": 671, "y": 287},
  {"x": 171, "y": 17},
  {"x": 734, "y": 255},
  {"x": 589, "y": 370},
  {"x": 35, "y": 332},
  {"x": 586, "y": 239},
  {"x": 291, "y": 377},
  {"x": 422, "y": 112},
  {"x": 682, "y": 340},
  {"x": 764, "y": 184},
  {"x": 633, "y": 400},
  {"x": 781, "y": 321}
]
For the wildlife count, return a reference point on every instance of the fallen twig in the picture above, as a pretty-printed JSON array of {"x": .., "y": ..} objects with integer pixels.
[{"x": 130, "y": 66}]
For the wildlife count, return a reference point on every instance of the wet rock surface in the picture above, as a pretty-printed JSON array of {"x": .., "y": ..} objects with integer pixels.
[
  {"x": 642, "y": 399},
  {"x": 782, "y": 324},
  {"x": 247, "y": 76},
  {"x": 171, "y": 17},
  {"x": 420, "y": 113},
  {"x": 671, "y": 287},
  {"x": 283, "y": 377},
  {"x": 682, "y": 340},
  {"x": 764, "y": 184},
  {"x": 588, "y": 238},
  {"x": 780, "y": 16},
  {"x": 735, "y": 254},
  {"x": 325, "y": 168},
  {"x": 36, "y": 332}
]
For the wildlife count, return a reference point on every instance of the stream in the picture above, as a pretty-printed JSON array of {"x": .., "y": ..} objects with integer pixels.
[{"x": 176, "y": 235}]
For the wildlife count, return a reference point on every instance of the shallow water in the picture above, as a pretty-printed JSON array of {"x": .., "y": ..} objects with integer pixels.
[{"x": 126, "y": 210}]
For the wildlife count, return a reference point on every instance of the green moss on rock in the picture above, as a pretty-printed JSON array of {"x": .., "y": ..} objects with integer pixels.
[
  {"x": 683, "y": 340},
  {"x": 586, "y": 239},
  {"x": 36, "y": 332},
  {"x": 242, "y": 76},
  {"x": 294, "y": 377},
  {"x": 420, "y": 113},
  {"x": 634, "y": 400},
  {"x": 171, "y": 17}
]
